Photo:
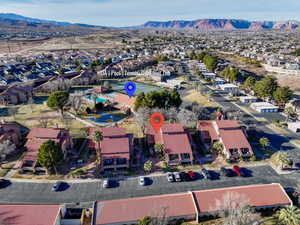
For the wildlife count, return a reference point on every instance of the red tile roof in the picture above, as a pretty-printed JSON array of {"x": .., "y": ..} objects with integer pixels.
[
  {"x": 29, "y": 214},
  {"x": 183, "y": 204},
  {"x": 234, "y": 139},
  {"x": 50, "y": 133},
  {"x": 174, "y": 138},
  {"x": 207, "y": 125},
  {"x": 133, "y": 209},
  {"x": 33, "y": 146},
  {"x": 109, "y": 131},
  {"x": 115, "y": 141},
  {"x": 258, "y": 196},
  {"x": 223, "y": 124}
]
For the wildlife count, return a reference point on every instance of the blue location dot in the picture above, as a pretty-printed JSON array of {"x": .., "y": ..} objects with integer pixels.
[{"x": 130, "y": 88}]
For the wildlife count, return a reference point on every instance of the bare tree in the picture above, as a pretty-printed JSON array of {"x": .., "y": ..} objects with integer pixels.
[
  {"x": 67, "y": 121},
  {"x": 30, "y": 103},
  {"x": 6, "y": 148},
  {"x": 43, "y": 122},
  {"x": 142, "y": 118},
  {"x": 171, "y": 115},
  {"x": 234, "y": 208},
  {"x": 187, "y": 118},
  {"x": 76, "y": 103},
  {"x": 159, "y": 217}
]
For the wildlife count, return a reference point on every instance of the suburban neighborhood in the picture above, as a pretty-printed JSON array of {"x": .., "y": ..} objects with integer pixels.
[{"x": 164, "y": 123}]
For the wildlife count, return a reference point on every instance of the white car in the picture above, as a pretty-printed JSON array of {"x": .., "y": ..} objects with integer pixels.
[
  {"x": 170, "y": 177},
  {"x": 142, "y": 181},
  {"x": 177, "y": 176}
]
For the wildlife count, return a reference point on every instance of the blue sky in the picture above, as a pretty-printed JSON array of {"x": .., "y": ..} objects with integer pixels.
[{"x": 135, "y": 12}]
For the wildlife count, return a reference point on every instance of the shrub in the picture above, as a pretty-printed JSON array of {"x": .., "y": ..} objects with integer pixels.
[{"x": 253, "y": 158}]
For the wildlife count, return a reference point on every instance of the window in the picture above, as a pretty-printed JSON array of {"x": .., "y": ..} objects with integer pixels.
[
  {"x": 233, "y": 151},
  {"x": 245, "y": 151},
  {"x": 173, "y": 157},
  {"x": 121, "y": 161},
  {"x": 185, "y": 156},
  {"x": 108, "y": 162}
]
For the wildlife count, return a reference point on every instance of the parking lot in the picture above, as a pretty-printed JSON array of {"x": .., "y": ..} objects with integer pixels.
[{"x": 27, "y": 192}]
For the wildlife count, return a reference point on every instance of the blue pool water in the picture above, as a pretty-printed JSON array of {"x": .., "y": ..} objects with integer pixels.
[
  {"x": 104, "y": 118},
  {"x": 97, "y": 99}
]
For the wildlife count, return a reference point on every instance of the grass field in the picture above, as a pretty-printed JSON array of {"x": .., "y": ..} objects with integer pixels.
[{"x": 195, "y": 96}]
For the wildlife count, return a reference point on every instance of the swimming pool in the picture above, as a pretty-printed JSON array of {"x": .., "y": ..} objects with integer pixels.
[
  {"x": 98, "y": 99},
  {"x": 104, "y": 118}
]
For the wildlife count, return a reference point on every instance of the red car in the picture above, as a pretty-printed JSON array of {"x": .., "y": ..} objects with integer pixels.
[
  {"x": 192, "y": 175},
  {"x": 237, "y": 169}
]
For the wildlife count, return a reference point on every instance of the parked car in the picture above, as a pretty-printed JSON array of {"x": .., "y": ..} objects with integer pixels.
[
  {"x": 184, "y": 176},
  {"x": 225, "y": 172},
  {"x": 106, "y": 183},
  {"x": 238, "y": 171},
  {"x": 57, "y": 186},
  {"x": 142, "y": 181},
  {"x": 205, "y": 173},
  {"x": 192, "y": 175},
  {"x": 4, "y": 183},
  {"x": 170, "y": 177},
  {"x": 177, "y": 176}
]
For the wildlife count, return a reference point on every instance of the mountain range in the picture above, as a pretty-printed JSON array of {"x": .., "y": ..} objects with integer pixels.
[
  {"x": 223, "y": 24},
  {"x": 11, "y": 19}
]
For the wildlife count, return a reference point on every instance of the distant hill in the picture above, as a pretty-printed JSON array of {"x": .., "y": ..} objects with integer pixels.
[
  {"x": 15, "y": 17},
  {"x": 222, "y": 24}
]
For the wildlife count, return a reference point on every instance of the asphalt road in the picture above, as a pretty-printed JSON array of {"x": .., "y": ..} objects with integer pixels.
[{"x": 26, "y": 192}]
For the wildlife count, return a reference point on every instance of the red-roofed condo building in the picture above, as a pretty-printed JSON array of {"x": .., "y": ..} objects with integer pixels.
[
  {"x": 188, "y": 206},
  {"x": 36, "y": 137},
  {"x": 116, "y": 147},
  {"x": 229, "y": 133},
  {"x": 176, "y": 141}
]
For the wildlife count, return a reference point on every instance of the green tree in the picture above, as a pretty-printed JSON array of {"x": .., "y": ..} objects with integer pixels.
[
  {"x": 145, "y": 220},
  {"x": 97, "y": 138},
  {"x": 159, "y": 148},
  {"x": 290, "y": 112},
  {"x": 282, "y": 158},
  {"x": 79, "y": 68},
  {"x": 57, "y": 100},
  {"x": 286, "y": 216},
  {"x": 249, "y": 83},
  {"x": 210, "y": 62},
  {"x": 217, "y": 148},
  {"x": 282, "y": 95},
  {"x": 50, "y": 155},
  {"x": 266, "y": 87},
  {"x": 140, "y": 101},
  {"x": 148, "y": 166},
  {"x": 264, "y": 142}
]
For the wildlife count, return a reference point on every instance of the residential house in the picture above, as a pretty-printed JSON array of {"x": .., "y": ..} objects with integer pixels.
[
  {"x": 230, "y": 88},
  {"x": 16, "y": 94},
  {"x": 264, "y": 107},
  {"x": 11, "y": 132},
  {"x": 38, "y": 136},
  {"x": 209, "y": 75},
  {"x": 115, "y": 148},
  {"x": 176, "y": 140},
  {"x": 188, "y": 206},
  {"x": 229, "y": 133},
  {"x": 248, "y": 99}
]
